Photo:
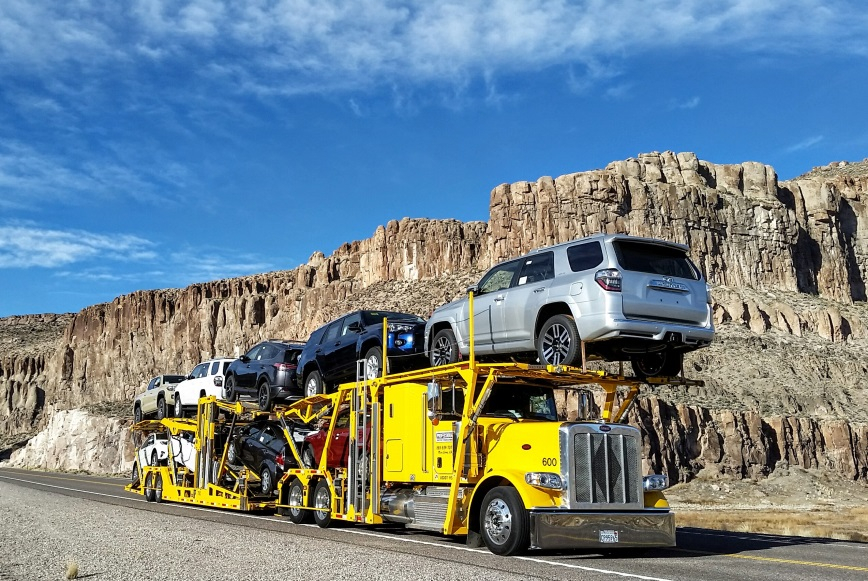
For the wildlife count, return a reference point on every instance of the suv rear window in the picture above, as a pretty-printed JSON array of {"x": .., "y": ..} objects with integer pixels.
[
  {"x": 585, "y": 256},
  {"x": 654, "y": 259}
]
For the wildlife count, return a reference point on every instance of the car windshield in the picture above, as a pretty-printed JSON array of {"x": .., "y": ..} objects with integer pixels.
[{"x": 374, "y": 317}]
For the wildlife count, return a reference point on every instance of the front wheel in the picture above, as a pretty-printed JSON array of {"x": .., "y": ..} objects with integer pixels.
[
  {"x": 137, "y": 414},
  {"x": 296, "y": 498},
  {"x": 162, "y": 410},
  {"x": 322, "y": 503},
  {"x": 266, "y": 481},
  {"x": 373, "y": 363},
  {"x": 558, "y": 341},
  {"x": 658, "y": 364},
  {"x": 179, "y": 408},
  {"x": 232, "y": 454},
  {"x": 504, "y": 521},
  {"x": 307, "y": 458},
  {"x": 264, "y": 396},
  {"x": 444, "y": 348},
  {"x": 313, "y": 385}
]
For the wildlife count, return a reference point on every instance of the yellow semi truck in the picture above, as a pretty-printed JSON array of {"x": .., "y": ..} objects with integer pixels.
[{"x": 486, "y": 451}]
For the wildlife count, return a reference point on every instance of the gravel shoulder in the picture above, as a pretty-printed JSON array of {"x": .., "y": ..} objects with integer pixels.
[{"x": 42, "y": 533}]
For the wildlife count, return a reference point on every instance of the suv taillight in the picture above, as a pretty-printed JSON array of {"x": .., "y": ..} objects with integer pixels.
[
  {"x": 279, "y": 459},
  {"x": 218, "y": 380},
  {"x": 284, "y": 366},
  {"x": 609, "y": 279}
]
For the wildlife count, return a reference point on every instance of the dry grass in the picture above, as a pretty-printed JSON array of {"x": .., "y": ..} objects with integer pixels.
[
  {"x": 848, "y": 524},
  {"x": 72, "y": 570}
]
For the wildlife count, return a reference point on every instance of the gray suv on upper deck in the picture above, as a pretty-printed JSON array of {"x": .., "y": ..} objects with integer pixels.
[{"x": 628, "y": 298}]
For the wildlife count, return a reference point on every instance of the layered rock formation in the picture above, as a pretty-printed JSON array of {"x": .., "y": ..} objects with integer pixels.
[{"x": 787, "y": 260}]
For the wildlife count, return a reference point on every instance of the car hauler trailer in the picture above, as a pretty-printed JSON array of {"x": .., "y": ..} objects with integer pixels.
[
  {"x": 211, "y": 481},
  {"x": 483, "y": 450}
]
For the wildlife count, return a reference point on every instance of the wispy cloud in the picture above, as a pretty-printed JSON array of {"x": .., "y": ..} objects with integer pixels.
[
  {"x": 691, "y": 103},
  {"x": 27, "y": 246},
  {"x": 804, "y": 144}
]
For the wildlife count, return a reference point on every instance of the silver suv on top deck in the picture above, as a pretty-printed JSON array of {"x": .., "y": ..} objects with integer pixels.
[{"x": 628, "y": 298}]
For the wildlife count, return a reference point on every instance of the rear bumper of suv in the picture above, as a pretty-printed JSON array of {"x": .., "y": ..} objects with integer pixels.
[{"x": 605, "y": 327}]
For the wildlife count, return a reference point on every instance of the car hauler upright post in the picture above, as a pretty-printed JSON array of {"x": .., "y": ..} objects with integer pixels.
[{"x": 482, "y": 450}]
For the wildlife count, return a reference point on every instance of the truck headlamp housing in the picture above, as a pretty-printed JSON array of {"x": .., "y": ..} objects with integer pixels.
[
  {"x": 544, "y": 480},
  {"x": 400, "y": 327},
  {"x": 655, "y": 482}
]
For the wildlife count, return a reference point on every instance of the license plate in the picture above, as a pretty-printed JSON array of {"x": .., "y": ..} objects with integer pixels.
[{"x": 608, "y": 536}]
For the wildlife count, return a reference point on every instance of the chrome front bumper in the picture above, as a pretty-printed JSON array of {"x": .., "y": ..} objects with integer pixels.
[{"x": 592, "y": 530}]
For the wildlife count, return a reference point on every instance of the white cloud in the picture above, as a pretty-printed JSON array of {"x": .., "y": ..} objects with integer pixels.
[
  {"x": 298, "y": 46},
  {"x": 804, "y": 144},
  {"x": 27, "y": 246}
]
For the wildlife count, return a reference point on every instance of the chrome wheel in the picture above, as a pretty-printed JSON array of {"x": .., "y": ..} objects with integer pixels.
[
  {"x": 498, "y": 521},
  {"x": 179, "y": 409},
  {"x": 266, "y": 481},
  {"x": 313, "y": 385},
  {"x": 372, "y": 367},
  {"x": 442, "y": 352},
  {"x": 296, "y": 498},
  {"x": 556, "y": 344}
]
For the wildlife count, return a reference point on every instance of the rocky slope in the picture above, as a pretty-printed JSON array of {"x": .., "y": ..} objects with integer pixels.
[{"x": 788, "y": 260}]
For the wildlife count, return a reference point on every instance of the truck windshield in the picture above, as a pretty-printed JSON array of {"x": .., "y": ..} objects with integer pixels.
[{"x": 521, "y": 402}]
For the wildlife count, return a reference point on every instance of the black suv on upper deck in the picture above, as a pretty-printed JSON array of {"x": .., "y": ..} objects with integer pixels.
[
  {"x": 331, "y": 353},
  {"x": 267, "y": 372}
]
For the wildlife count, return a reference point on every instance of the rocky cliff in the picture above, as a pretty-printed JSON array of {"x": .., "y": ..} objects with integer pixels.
[{"x": 784, "y": 382}]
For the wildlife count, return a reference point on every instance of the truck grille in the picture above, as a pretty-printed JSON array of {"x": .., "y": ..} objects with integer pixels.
[{"x": 607, "y": 468}]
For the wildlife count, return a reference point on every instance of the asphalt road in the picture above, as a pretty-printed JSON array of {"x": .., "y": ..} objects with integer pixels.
[{"x": 701, "y": 554}]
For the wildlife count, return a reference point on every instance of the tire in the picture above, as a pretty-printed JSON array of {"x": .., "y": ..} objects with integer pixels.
[
  {"x": 296, "y": 497},
  {"x": 659, "y": 364},
  {"x": 322, "y": 499},
  {"x": 308, "y": 460},
  {"x": 264, "y": 396},
  {"x": 266, "y": 481},
  {"x": 444, "y": 348},
  {"x": 137, "y": 414},
  {"x": 558, "y": 342},
  {"x": 158, "y": 488},
  {"x": 154, "y": 461},
  {"x": 229, "y": 391},
  {"x": 232, "y": 454},
  {"x": 504, "y": 522},
  {"x": 149, "y": 487},
  {"x": 373, "y": 363},
  {"x": 135, "y": 478},
  {"x": 313, "y": 384},
  {"x": 162, "y": 412},
  {"x": 179, "y": 407}
]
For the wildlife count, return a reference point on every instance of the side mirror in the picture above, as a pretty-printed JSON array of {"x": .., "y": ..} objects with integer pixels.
[
  {"x": 355, "y": 327},
  {"x": 190, "y": 376},
  {"x": 474, "y": 288},
  {"x": 244, "y": 359},
  {"x": 435, "y": 400}
]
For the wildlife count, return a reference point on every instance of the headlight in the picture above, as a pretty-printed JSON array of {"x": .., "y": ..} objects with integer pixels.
[
  {"x": 544, "y": 480},
  {"x": 655, "y": 482},
  {"x": 400, "y": 327}
]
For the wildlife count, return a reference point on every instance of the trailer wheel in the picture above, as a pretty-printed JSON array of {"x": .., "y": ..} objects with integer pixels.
[
  {"x": 558, "y": 341},
  {"x": 504, "y": 521},
  {"x": 158, "y": 488},
  {"x": 149, "y": 487},
  {"x": 296, "y": 498},
  {"x": 322, "y": 499}
]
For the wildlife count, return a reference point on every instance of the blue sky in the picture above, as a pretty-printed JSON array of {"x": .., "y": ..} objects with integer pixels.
[{"x": 155, "y": 143}]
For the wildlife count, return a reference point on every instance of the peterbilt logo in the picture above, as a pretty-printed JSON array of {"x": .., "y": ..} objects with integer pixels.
[{"x": 605, "y": 428}]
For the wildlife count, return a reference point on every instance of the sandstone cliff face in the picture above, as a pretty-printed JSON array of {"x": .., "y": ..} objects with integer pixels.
[{"x": 788, "y": 262}]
